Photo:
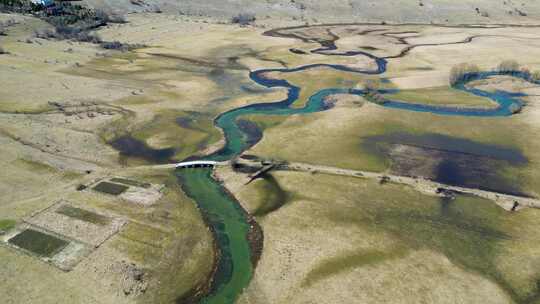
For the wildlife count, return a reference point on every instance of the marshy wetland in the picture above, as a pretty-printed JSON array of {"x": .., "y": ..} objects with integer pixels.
[{"x": 370, "y": 97}]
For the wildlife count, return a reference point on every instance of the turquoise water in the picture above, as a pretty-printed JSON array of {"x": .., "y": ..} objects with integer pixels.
[
  {"x": 230, "y": 227},
  {"x": 236, "y": 140},
  {"x": 225, "y": 216}
]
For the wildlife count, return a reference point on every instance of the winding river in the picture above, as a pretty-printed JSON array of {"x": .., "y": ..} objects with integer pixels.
[{"x": 227, "y": 219}]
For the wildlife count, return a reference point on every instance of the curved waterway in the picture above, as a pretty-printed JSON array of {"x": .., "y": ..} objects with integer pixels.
[{"x": 228, "y": 221}]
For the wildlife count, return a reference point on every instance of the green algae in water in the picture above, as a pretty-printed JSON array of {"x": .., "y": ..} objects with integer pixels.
[{"x": 230, "y": 226}]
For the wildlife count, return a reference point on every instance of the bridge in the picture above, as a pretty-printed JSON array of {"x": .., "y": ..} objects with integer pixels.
[
  {"x": 182, "y": 165},
  {"x": 196, "y": 164}
]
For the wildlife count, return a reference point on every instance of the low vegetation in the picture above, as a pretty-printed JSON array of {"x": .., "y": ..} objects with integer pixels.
[
  {"x": 18, "y": 6},
  {"x": 508, "y": 67},
  {"x": 535, "y": 76},
  {"x": 512, "y": 67},
  {"x": 6, "y": 225},
  {"x": 243, "y": 19},
  {"x": 81, "y": 35},
  {"x": 463, "y": 73},
  {"x": 372, "y": 92},
  {"x": 70, "y": 21},
  {"x": 70, "y": 33},
  {"x": 530, "y": 76}
]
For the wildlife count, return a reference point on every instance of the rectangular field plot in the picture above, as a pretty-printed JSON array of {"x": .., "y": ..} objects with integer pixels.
[
  {"x": 130, "y": 182},
  {"x": 129, "y": 190},
  {"x": 39, "y": 243},
  {"x": 83, "y": 215},
  {"x": 55, "y": 249},
  {"x": 84, "y": 225},
  {"x": 110, "y": 188}
]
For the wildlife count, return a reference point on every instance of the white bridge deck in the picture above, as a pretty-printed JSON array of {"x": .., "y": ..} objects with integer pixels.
[{"x": 196, "y": 164}]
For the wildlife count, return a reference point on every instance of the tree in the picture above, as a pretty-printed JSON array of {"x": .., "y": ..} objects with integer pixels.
[
  {"x": 526, "y": 73},
  {"x": 243, "y": 19},
  {"x": 535, "y": 76},
  {"x": 371, "y": 88},
  {"x": 462, "y": 73},
  {"x": 508, "y": 67},
  {"x": 371, "y": 85}
]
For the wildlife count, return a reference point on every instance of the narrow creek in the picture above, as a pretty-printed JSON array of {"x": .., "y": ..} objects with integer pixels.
[{"x": 228, "y": 220}]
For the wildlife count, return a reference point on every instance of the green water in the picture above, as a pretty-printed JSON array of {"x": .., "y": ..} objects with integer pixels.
[
  {"x": 230, "y": 226},
  {"x": 225, "y": 216}
]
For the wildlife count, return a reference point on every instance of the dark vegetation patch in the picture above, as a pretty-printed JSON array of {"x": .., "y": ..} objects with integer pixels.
[
  {"x": 250, "y": 129},
  {"x": 274, "y": 197},
  {"x": 368, "y": 48},
  {"x": 253, "y": 89},
  {"x": 83, "y": 215},
  {"x": 335, "y": 265},
  {"x": 132, "y": 147},
  {"x": 297, "y": 51},
  {"x": 110, "y": 188},
  {"x": 39, "y": 243},
  {"x": 194, "y": 121},
  {"x": 244, "y": 18},
  {"x": 70, "y": 21},
  {"x": 449, "y": 160},
  {"x": 18, "y": 6},
  {"x": 182, "y": 134},
  {"x": 130, "y": 182},
  {"x": 420, "y": 69}
]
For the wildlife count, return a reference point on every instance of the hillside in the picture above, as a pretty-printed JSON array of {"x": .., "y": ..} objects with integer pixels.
[{"x": 329, "y": 11}]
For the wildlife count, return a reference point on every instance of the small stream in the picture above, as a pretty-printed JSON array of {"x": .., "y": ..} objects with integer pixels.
[{"x": 223, "y": 213}]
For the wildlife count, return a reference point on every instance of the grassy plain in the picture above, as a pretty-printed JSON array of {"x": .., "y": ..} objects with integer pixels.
[
  {"x": 420, "y": 248},
  {"x": 442, "y": 96},
  {"x": 336, "y": 137},
  {"x": 321, "y": 234}
]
